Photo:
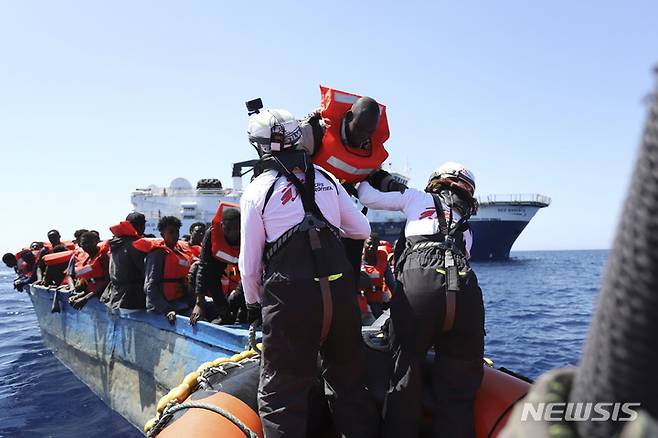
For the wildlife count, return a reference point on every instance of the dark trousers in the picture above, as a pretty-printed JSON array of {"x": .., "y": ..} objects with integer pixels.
[
  {"x": 292, "y": 322},
  {"x": 418, "y": 309}
]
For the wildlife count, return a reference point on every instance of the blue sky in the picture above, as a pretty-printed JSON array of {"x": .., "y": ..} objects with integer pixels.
[{"x": 98, "y": 98}]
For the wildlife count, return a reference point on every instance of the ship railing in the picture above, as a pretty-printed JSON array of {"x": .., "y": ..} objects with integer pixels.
[{"x": 516, "y": 198}]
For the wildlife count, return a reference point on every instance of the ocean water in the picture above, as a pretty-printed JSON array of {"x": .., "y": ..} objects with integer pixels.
[{"x": 538, "y": 307}]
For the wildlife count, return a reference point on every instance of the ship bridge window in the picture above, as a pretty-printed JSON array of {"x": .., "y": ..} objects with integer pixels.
[{"x": 188, "y": 210}]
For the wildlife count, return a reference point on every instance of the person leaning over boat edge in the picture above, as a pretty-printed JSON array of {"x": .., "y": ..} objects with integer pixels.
[
  {"x": 437, "y": 303},
  {"x": 282, "y": 219},
  {"x": 212, "y": 265}
]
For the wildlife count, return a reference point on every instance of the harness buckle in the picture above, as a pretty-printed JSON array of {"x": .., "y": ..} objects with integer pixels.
[{"x": 449, "y": 261}]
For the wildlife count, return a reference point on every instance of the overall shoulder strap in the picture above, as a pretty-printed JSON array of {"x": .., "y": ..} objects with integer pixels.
[
  {"x": 269, "y": 193},
  {"x": 443, "y": 225}
]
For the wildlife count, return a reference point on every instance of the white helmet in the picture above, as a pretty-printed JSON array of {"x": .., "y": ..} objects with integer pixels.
[
  {"x": 456, "y": 175},
  {"x": 273, "y": 130}
]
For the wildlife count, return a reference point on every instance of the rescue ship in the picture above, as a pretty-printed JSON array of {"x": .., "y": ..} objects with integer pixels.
[{"x": 496, "y": 226}]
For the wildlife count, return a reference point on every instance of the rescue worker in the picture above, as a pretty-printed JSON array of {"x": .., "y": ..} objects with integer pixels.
[
  {"x": 126, "y": 287},
  {"x": 219, "y": 249},
  {"x": 375, "y": 265},
  {"x": 165, "y": 274},
  {"x": 292, "y": 214},
  {"x": 91, "y": 270},
  {"x": 437, "y": 303}
]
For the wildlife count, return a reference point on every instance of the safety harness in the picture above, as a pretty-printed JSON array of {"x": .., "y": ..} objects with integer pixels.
[
  {"x": 449, "y": 240},
  {"x": 313, "y": 223}
]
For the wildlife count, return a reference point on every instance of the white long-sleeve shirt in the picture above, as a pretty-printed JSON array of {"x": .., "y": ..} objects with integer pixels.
[
  {"x": 283, "y": 211},
  {"x": 417, "y": 206}
]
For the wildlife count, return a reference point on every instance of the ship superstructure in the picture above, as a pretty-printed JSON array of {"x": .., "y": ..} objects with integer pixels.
[{"x": 496, "y": 226}]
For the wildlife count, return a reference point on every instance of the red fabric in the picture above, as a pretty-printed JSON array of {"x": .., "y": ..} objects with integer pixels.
[
  {"x": 123, "y": 228},
  {"x": 376, "y": 274},
  {"x": 230, "y": 279},
  {"x": 221, "y": 250},
  {"x": 92, "y": 269}
]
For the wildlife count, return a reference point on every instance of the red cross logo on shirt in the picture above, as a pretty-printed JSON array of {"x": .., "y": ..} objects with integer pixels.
[
  {"x": 289, "y": 193},
  {"x": 428, "y": 213}
]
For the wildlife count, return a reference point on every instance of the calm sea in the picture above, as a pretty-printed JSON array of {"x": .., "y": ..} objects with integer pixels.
[{"x": 538, "y": 308}]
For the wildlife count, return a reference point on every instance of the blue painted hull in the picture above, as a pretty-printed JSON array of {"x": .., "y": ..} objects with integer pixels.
[
  {"x": 129, "y": 360},
  {"x": 492, "y": 239}
]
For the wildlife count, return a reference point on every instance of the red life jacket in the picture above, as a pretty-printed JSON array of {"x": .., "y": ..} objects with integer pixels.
[
  {"x": 61, "y": 258},
  {"x": 92, "y": 269},
  {"x": 376, "y": 274},
  {"x": 58, "y": 258},
  {"x": 176, "y": 267},
  {"x": 221, "y": 250},
  {"x": 363, "y": 304},
  {"x": 345, "y": 162},
  {"x": 22, "y": 267},
  {"x": 196, "y": 250},
  {"x": 230, "y": 279},
  {"x": 123, "y": 228}
]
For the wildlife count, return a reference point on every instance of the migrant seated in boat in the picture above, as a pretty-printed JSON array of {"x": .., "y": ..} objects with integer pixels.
[
  {"x": 126, "y": 268},
  {"x": 165, "y": 273},
  {"x": 90, "y": 271},
  {"x": 220, "y": 249}
]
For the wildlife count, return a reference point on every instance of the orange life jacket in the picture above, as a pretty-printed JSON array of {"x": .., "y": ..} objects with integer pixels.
[
  {"x": 221, "y": 250},
  {"x": 176, "y": 267},
  {"x": 376, "y": 274},
  {"x": 196, "y": 250},
  {"x": 58, "y": 258},
  {"x": 230, "y": 279},
  {"x": 345, "y": 162},
  {"x": 92, "y": 269},
  {"x": 123, "y": 228}
]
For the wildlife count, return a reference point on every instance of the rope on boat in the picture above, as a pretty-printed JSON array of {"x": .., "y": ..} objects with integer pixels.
[
  {"x": 173, "y": 408},
  {"x": 190, "y": 383}
]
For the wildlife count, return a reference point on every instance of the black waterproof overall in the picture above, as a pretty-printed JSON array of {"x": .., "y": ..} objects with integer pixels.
[
  {"x": 435, "y": 305},
  {"x": 309, "y": 307}
]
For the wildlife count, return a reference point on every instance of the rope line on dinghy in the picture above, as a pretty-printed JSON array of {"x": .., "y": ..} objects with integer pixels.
[
  {"x": 173, "y": 408},
  {"x": 190, "y": 384}
]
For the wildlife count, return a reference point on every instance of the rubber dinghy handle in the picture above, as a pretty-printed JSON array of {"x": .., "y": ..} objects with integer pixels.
[{"x": 621, "y": 351}]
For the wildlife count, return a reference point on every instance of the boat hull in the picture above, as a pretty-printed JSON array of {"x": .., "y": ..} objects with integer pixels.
[
  {"x": 493, "y": 240},
  {"x": 130, "y": 360}
]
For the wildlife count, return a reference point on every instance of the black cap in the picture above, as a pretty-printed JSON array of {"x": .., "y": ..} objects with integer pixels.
[
  {"x": 136, "y": 218},
  {"x": 53, "y": 233}
]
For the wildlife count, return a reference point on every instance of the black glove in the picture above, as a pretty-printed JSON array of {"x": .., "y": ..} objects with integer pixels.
[
  {"x": 254, "y": 315},
  {"x": 384, "y": 182},
  {"x": 225, "y": 317}
]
